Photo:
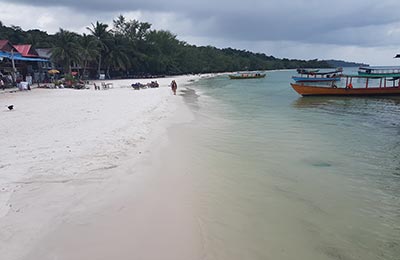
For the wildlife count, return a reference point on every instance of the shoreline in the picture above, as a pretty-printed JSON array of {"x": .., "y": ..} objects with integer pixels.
[{"x": 84, "y": 174}]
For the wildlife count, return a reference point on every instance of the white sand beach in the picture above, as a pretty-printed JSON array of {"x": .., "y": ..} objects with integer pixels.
[{"x": 83, "y": 175}]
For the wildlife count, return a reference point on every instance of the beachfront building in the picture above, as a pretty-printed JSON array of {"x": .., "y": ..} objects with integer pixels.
[
  {"x": 77, "y": 68},
  {"x": 7, "y": 51},
  {"x": 21, "y": 63},
  {"x": 44, "y": 67}
]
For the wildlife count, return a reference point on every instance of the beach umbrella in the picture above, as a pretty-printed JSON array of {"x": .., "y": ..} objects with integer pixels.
[{"x": 53, "y": 71}]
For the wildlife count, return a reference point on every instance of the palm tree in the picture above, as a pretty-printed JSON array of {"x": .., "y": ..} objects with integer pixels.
[
  {"x": 116, "y": 58},
  {"x": 99, "y": 30},
  {"x": 66, "y": 49},
  {"x": 135, "y": 35},
  {"x": 164, "y": 51},
  {"x": 90, "y": 50},
  {"x": 133, "y": 30}
]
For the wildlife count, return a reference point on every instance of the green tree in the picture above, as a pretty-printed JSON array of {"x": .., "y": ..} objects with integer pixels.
[
  {"x": 90, "y": 50},
  {"x": 116, "y": 58},
  {"x": 164, "y": 50},
  {"x": 66, "y": 49},
  {"x": 38, "y": 39},
  {"x": 133, "y": 30},
  {"x": 135, "y": 33},
  {"x": 100, "y": 31},
  {"x": 132, "y": 46}
]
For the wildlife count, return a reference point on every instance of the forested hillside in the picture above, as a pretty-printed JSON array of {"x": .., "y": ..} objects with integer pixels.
[{"x": 131, "y": 47}]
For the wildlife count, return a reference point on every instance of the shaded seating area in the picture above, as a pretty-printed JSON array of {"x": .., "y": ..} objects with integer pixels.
[{"x": 21, "y": 63}]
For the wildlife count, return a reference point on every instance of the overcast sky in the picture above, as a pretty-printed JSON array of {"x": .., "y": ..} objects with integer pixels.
[{"x": 353, "y": 30}]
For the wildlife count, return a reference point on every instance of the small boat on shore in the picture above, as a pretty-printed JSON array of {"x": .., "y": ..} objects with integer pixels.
[
  {"x": 316, "y": 76},
  {"x": 385, "y": 86},
  {"x": 248, "y": 75}
]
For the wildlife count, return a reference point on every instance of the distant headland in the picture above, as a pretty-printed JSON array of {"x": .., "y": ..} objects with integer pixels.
[
  {"x": 130, "y": 48},
  {"x": 341, "y": 63}
]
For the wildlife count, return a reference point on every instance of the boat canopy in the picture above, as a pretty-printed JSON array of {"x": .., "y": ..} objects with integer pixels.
[
  {"x": 372, "y": 76},
  {"x": 380, "y": 69},
  {"x": 316, "y": 72}
]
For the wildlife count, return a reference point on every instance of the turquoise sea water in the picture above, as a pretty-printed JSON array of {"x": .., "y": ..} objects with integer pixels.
[{"x": 278, "y": 176}]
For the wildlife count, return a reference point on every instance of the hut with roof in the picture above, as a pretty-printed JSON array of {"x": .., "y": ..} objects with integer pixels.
[
  {"x": 21, "y": 61},
  {"x": 7, "y": 63}
]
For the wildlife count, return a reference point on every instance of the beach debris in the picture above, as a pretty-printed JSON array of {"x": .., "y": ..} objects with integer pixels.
[{"x": 10, "y": 107}]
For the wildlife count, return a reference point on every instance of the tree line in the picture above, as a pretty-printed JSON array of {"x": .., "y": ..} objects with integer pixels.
[{"x": 132, "y": 48}]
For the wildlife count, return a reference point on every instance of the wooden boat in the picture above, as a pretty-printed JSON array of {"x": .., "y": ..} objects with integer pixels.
[
  {"x": 248, "y": 75},
  {"x": 307, "y": 71},
  {"x": 311, "y": 76},
  {"x": 379, "y": 71},
  {"x": 387, "y": 86},
  {"x": 316, "y": 79}
]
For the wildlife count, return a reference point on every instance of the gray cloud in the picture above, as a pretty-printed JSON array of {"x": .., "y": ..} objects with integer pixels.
[
  {"x": 295, "y": 20},
  {"x": 335, "y": 23}
]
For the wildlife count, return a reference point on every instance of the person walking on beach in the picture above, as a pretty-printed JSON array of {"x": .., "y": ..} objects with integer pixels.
[
  {"x": 174, "y": 86},
  {"x": 2, "y": 85}
]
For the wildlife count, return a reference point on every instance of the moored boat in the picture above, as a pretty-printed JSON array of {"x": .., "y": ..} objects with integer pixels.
[
  {"x": 379, "y": 71},
  {"x": 316, "y": 76},
  {"x": 247, "y": 75},
  {"x": 307, "y": 71},
  {"x": 387, "y": 86}
]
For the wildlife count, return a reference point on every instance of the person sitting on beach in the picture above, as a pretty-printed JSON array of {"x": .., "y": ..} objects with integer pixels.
[
  {"x": 136, "y": 86},
  {"x": 155, "y": 84}
]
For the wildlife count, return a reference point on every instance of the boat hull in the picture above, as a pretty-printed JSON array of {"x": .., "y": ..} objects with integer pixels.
[
  {"x": 306, "y": 79},
  {"x": 328, "y": 91}
]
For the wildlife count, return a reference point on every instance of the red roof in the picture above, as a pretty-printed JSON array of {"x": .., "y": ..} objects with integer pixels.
[
  {"x": 26, "y": 50},
  {"x": 5, "y": 45}
]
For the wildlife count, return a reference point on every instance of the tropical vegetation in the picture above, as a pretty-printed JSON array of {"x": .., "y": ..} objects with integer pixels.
[{"x": 132, "y": 48}]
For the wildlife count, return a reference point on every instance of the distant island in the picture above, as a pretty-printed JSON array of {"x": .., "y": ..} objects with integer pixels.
[
  {"x": 341, "y": 63},
  {"x": 130, "y": 48}
]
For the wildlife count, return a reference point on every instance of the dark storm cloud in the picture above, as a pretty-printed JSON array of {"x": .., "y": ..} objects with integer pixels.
[
  {"x": 103, "y": 5},
  {"x": 343, "y": 22}
]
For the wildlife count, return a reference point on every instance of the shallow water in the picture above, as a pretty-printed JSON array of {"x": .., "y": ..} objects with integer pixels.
[{"x": 279, "y": 176}]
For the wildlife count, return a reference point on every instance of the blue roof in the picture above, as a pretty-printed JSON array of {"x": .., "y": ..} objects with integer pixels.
[{"x": 18, "y": 56}]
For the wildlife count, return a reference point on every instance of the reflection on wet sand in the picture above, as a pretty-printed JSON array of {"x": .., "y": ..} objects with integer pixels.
[{"x": 190, "y": 97}]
